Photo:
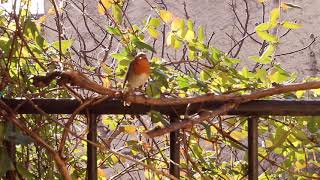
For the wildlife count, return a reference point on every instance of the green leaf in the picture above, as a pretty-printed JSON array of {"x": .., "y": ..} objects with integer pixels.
[
  {"x": 266, "y": 60},
  {"x": 278, "y": 77},
  {"x": 231, "y": 61},
  {"x": 153, "y": 32},
  {"x": 312, "y": 124},
  {"x": 114, "y": 30},
  {"x": 261, "y": 74},
  {"x": 65, "y": 45},
  {"x": 25, "y": 172},
  {"x": 190, "y": 25},
  {"x": 280, "y": 136},
  {"x": 291, "y": 25},
  {"x": 141, "y": 45},
  {"x": 265, "y": 57},
  {"x": 268, "y": 37},
  {"x": 117, "y": 13},
  {"x": 155, "y": 22},
  {"x": 153, "y": 89},
  {"x": 32, "y": 32},
  {"x": 120, "y": 56},
  {"x": 201, "y": 35},
  {"x": 183, "y": 82},
  {"x": 263, "y": 27},
  {"x": 204, "y": 75},
  {"x": 110, "y": 122}
]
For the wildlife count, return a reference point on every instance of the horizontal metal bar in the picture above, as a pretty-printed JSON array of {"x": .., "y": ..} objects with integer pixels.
[{"x": 257, "y": 107}]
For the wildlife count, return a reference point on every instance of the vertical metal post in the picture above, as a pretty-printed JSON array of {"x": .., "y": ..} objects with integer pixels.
[
  {"x": 91, "y": 149},
  {"x": 11, "y": 150},
  {"x": 174, "y": 150},
  {"x": 253, "y": 172}
]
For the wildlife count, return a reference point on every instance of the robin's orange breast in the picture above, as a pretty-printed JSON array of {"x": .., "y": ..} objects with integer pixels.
[{"x": 141, "y": 66}]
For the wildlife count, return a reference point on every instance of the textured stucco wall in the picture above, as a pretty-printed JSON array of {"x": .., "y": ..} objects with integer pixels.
[{"x": 217, "y": 17}]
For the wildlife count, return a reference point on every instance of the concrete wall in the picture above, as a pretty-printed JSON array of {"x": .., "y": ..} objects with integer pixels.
[{"x": 217, "y": 17}]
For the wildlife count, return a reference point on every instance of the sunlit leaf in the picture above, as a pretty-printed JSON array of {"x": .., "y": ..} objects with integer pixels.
[
  {"x": 117, "y": 13},
  {"x": 65, "y": 45},
  {"x": 274, "y": 16},
  {"x": 114, "y": 30},
  {"x": 262, "y": 1},
  {"x": 268, "y": 37},
  {"x": 261, "y": 74},
  {"x": 177, "y": 24},
  {"x": 108, "y": 121},
  {"x": 263, "y": 27},
  {"x": 201, "y": 35},
  {"x": 130, "y": 129},
  {"x": 300, "y": 165},
  {"x": 155, "y": 22},
  {"x": 190, "y": 25},
  {"x": 190, "y": 35},
  {"x": 103, "y": 5},
  {"x": 102, "y": 173},
  {"x": 153, "y": 32},
  {"x": 286, "y": 6},
  {"x": 239, "y": 135},
  {"x": 300, "y": 94},
  {"x": 291, "y": 25},
  {"x": 265, "y": 57},
  {"x": 166, "y": 16}
]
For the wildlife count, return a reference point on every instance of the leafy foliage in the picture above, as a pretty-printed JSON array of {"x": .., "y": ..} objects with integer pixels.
[{"x": 184, "y": 64}]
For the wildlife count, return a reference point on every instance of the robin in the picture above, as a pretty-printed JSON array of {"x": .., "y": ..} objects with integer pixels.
[{"x": 138, "y": 72}]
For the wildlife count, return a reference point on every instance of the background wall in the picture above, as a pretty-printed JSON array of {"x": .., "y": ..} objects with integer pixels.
[{"x": 218, "y": 18}]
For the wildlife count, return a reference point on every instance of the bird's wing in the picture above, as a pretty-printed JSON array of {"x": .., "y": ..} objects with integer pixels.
[{"x": 127, "y": 75}]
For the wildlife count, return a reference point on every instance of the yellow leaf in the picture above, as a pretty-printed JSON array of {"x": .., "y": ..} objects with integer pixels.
[
  {"x": 106, "y": 3},
  {"x": 291, "y": 25},
  {"x": 130, "y": 129},
  {"x": 284, "y": 6},
  {"x": 300, "y": 165},
  {"x": 274, "y": 15},
  {"x": 239, "y": 135},
  {"x": 177, "y": 24},
  {"x": 261, "y": 1},
  {"x": 42, "y": 19},
  {"x": 51, "y": 11},
  {"x": 166, "y": 16},
  {"x": 103, "y": 5},
  {"x": 101, "y": 173},
  {"x": 100, "y": 9},
  {"x": 299, "y": 94},
  {"x": 153, "y": 32},
  {"x": 106, "y": 82}
]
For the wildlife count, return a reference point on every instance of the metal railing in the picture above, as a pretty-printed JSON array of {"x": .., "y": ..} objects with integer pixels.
[{"x": 253, "y": 109}]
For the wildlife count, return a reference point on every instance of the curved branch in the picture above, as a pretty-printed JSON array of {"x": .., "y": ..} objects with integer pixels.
[
  {"x": 10, "y": 115},
  {"x": 232, "y": 102},
  {"x": 292, "y": 52}
]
